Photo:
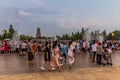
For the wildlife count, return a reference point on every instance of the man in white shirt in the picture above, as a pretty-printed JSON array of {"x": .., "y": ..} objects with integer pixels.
[
  {"x": 94, "y": 50},
  {"x": 84, "y": 45},
  {"x": 23, "y": 48}
]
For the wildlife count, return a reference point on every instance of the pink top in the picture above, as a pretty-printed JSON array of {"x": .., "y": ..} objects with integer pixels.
[{"x": 5, "y": 47}]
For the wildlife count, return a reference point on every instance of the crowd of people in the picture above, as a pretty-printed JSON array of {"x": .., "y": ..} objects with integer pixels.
[{"x": 56, "y": 52}]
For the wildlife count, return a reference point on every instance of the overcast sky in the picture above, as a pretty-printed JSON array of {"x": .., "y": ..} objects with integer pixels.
[{"x": 59, "y": 16}]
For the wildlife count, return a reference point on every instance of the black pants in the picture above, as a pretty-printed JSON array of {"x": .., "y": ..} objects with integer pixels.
[
  {"x": 83, "y": 49},
  {"x": 94, "y": 54},
  {"x": 99, "y": 58},
  {"x": 30, "y": 56},
  {"x": 17, "y": 50},
  {"x": 64, "y": 55}
]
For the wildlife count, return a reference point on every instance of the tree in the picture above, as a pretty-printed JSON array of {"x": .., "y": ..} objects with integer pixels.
[
  {"x": 104, "y": 34},
  {"x": 24, "y": 37},
  {"x": 1, "y": 37},
  {"x": 92, "y": 35},
  {"x": 96, "y": 35},
  {"x": 83, "y": 31},
  {"x": 4, "y": 33},
  {"x": 11, "y": 31},
  {"x": 109, "y": 37},
  {"x": 58, "y": 37},
  {"x": 8, "y": 35},
  {"x": 116, "y": 35}
]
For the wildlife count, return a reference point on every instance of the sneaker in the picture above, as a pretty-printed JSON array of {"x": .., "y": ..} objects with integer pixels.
[
  {"x": 53, "y": 69},
  {"x": 42, "y": 68}
]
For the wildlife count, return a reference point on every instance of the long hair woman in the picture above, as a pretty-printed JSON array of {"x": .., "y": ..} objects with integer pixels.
[
  {"x": 47, "y": 56},
  {"x": 55, "y": 57},
  {"x": 71, "y": 58}
]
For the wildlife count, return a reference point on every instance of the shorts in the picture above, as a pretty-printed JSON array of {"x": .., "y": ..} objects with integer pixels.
[{"x": 23, "y": 49}]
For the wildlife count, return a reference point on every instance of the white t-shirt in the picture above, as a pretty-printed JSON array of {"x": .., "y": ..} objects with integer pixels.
[
  {"x": 23, "y": 45},
  {"x": 17, "y": 46},
  {"x": 109, "y": 51},
  {"x": 84, "y": 44},
  {"x": 70, "y": 50},
  {"x": 12, "y": 45},
  {"x": 78, "y": 45},
  {"x": 105, "y": 45},
  {"x": 94, "y": 47}
]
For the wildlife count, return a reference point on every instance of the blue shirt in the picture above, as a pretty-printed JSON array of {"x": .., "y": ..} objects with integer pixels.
[{"x": 63, "y": 49}]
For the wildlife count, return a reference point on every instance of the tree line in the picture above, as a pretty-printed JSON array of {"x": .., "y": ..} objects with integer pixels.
[
  {"x": 8, "y": 34},
  {"x": 79, "y": 35}
]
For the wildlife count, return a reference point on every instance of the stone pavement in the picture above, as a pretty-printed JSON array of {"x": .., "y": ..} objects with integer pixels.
[
  {"x": 15, "y": 67},
  {"x": 101, "y": 73}
]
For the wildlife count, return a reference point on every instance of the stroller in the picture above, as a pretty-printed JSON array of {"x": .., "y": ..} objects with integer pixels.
[{"x": 106, "y": 57}]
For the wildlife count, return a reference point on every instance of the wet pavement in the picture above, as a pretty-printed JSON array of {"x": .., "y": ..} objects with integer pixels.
[{"x": 13, "y": 64}]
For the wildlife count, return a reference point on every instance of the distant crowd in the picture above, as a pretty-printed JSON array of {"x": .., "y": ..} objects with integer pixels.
[{"x": 57, "y": 52}]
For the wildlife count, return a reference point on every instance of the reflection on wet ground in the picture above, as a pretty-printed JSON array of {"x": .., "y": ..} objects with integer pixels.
[{"x": 15, "y": 64}]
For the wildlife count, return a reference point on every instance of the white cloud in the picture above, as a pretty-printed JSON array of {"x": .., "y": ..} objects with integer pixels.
[
  {"x": 11, "y": 5},
  {"x": 39, "y": 3},
  {"x": 75, "y": 24},
  {"x": 24, "y": 13},
  {"x": 90, "y": 23},
  {"x": 13, "y": 20},
  {"x": 71, "y": 23},
  {"x": 62, "y": 22}
]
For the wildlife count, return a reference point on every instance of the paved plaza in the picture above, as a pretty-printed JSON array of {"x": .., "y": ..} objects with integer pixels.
[
  {"x": 14, "y": 67},
  {"x": 106, "y": 73}
]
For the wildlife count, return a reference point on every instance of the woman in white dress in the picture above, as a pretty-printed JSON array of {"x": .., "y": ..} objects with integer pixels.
[{"x": 71, "y": 58}]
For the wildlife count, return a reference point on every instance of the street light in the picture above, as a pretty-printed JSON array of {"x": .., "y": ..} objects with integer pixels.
[{"x": 113, "y": 34}]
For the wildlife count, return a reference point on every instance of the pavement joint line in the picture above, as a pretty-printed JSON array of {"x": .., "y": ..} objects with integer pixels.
[
  {"x": 42, "y": 73},
  {"x": 96, "y": 68}
]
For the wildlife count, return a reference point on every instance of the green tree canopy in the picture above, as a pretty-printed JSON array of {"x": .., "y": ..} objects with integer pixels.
[
  {"x": 104, "y": 34},
  {"x": 117, "y": 35},
  {"x": 11, "y": 31}
]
